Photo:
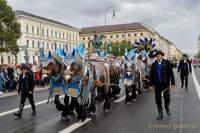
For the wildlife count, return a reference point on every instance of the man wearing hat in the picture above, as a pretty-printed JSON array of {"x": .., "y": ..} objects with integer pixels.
[
  {"x": 25, "y": 88},
  {"x": 184, "y": 68},
  {"x": 162, "y": 77}
]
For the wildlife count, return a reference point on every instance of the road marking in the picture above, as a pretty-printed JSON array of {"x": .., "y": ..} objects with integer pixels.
[
  {"x": 75, "y": 126},
  {"x": 26, "y": 107},
  {"x": 120, "y": 99},
  {"x": 79, "y": 124},
  {"x": 196, "y": 82}
]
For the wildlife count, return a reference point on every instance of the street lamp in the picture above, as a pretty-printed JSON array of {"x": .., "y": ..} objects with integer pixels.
[
  {"x": 106, "y": 10},
  {"x": 113, "y": 15}
]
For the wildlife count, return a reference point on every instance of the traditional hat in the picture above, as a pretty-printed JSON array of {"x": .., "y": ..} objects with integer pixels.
[{"x": 159, "y": 52}]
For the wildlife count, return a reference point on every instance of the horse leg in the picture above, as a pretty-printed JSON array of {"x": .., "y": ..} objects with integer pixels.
[
  {"x": 107, "y": 103},
  {"x": 72, "y": 105},
  {"x": 92, "y": 107},
  {"x": 127, "y": 99},
  {"x": 115, "y": 89},
  {"x": 134, "y": 95},
  {"x": 80, "y": 110},
  {"x": 59, "y": 106},
  {"x": 66, "y": 111}
]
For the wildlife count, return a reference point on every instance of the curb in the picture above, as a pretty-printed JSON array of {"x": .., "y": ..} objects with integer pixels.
[{"x": 15, "y": 93}]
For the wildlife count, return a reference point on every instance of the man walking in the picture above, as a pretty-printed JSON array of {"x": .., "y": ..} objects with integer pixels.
[
  {"x": 160, "y": 77},
  {"x": 26, "y": 87},
  {"x": 184, "y": 69}
]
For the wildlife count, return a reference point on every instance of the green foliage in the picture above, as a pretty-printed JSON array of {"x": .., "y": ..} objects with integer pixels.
[
  {"x": 198, "y": 55},
  {"x": 118, "y": 48},
  {"x": 9, "y": 29}
]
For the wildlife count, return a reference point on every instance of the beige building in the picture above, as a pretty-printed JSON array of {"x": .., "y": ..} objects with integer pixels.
[
  {"x": 38, "y": 32},
  {"x": 130, "y": 32}
]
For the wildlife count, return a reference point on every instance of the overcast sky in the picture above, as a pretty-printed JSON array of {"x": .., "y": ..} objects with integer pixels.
[{"x": 176, "y": 20}]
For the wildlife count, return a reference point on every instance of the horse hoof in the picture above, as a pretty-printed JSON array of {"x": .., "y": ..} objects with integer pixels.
[
  {"x": 134, "y": 100},
  {"x": 64, "y": 117}
]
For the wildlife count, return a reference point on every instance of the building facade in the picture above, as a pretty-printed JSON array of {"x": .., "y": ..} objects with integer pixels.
[
  {"x": 131, "y": 32},
  {"x": 38, "y": 32}
]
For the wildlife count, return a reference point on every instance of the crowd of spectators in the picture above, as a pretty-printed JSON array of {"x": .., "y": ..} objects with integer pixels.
[{"x": 9, "y": 76}]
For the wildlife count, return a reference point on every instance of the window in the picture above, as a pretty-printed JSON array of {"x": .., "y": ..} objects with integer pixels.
[
  {"x": 63, "y": 35},
  {"x": 38, "y": 44},
  {"x": 76, "y": 38},
  {"x": 32, "y": 30},
  {"x": 117, "y": 36},
  {"x": 70, "y": 37},
  {"x": 33, "y": 43},
  {"x": 47, "y": 32},
  {"x": 43, "y": 32},
  {"x": 129, "y": 35},
  {"x": 52, "y": 46},
  {"x": 27, "y": 43},
  {"x": 47, "y": 45},
  {"x": 122, "y": 35},
  {"x": 27, "y": 28},
  {"x": 55, "y": 46},
  {"x": 141, "y": 34},
  {"x": 38, "y": 31},
  {"x": 73, "y": 36},
  {"x": 111, "y": 36},
  {"x": 135, "y": 40},
  {"x": 59, "y": 35},
  {"x": 88, "y": 38},
  {"x": 135, "y": 34},
  {"x": 9, "y": 60},
  {"x": 55, "y": 34},
  {"x": 33, "y": 59},
  {"x": 51, "y": 33},
  {"x": 43, "y": 44},
  {"x": 83, "y": 38}
]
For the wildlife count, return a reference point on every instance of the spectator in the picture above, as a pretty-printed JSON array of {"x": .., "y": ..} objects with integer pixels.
[
  {"x": 11, "y": 78},
  {"x": 2, "y": 81},
  {"x": 5, "y": 73},
  {"x": 38, "y": 77}
]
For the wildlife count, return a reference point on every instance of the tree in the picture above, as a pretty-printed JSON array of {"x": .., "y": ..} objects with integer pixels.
[
  {"x": 118, "y": 48},
  {"x": 198, "y": 55},
  {"x": 9, "y": 29}
]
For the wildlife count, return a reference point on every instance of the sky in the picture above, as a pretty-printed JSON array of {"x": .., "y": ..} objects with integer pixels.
[{"x": 176, "y": 20}]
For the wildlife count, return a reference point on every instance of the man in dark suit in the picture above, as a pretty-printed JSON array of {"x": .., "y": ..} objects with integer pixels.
[
  {"x": 160, "y": 77},
  {"x": 25, "y": 88},
  {"x": 184, "y": 68}
]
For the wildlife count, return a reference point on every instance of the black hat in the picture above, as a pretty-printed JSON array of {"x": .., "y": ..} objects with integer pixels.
[
  {"x": 159, "y": 52},
  {"x": 23, "y": 66},
  {"x": 184, "y": 55}
]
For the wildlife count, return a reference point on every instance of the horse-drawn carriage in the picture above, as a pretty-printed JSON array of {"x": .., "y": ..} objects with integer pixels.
[{"x": 83, "y": 76}]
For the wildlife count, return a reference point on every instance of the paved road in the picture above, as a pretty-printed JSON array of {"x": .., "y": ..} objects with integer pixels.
[{"x": 140, "y": 116}]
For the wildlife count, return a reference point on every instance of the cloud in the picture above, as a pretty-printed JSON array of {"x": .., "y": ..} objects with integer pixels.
[{"x": 176, "y": 20}]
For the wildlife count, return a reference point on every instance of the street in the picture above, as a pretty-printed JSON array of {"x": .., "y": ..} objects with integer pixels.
[{"x": 140, "y": 116}]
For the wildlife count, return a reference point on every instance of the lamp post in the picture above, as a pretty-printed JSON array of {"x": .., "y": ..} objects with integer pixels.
[{"x": 113, "y": 15}]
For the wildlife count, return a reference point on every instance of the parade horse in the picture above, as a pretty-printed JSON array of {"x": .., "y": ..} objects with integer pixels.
[
  {"x": 115, "y": 75},
  {"x": 101, "y": 71},
  {"x": 131, "y": 76},
  {"x": 69, "y": 79}
]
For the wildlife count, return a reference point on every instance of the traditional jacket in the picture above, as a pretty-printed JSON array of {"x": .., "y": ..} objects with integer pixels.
[
  {"x": 167, "y": 74},
  {"x": 26, "y": 83}
]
